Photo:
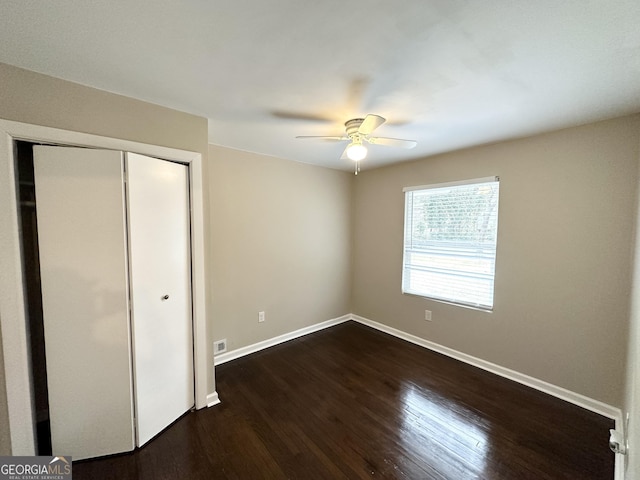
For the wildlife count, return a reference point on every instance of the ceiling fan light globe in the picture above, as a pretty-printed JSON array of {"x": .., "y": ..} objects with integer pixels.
[{"x": 356, "y": 152}]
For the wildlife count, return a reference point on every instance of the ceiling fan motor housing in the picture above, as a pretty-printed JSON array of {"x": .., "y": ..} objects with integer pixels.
[{"x": 352, "y": 126}]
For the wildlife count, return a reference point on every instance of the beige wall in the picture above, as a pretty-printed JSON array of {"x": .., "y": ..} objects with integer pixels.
[
  {"x": 41, "y": 100},
  {"x": 281, "y": 235},
  {"x": 29, "y": 97},
  {"x": 566, "y": 225}
]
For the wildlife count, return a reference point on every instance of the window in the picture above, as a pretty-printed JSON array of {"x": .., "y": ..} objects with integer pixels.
[{"x": 450, "y": 239}]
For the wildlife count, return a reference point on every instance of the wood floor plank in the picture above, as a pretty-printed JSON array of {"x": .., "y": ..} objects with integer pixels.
[{"x": 350, "y": 402}]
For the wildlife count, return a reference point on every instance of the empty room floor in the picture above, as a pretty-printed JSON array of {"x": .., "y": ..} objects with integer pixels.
[{"x": 350, "y": 402}]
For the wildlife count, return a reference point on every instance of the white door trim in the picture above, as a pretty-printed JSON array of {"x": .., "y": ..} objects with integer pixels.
[{"x": 12, "y": 295}]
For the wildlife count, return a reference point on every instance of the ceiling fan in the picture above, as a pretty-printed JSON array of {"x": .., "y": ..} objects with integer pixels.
[{"x": 358, "y": 132}]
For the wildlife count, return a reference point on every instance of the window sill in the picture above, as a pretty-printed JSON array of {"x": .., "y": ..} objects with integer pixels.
[{"x": 447, "y": 302}]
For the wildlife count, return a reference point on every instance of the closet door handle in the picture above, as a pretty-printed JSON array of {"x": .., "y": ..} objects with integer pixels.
[{"x": 165, "y": 297}]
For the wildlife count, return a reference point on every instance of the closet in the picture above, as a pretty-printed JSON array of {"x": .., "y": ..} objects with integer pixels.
[{"x": 115, "y": 271}]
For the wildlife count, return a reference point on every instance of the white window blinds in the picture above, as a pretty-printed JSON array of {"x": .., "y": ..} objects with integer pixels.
[{"x": 450, "y": 241}]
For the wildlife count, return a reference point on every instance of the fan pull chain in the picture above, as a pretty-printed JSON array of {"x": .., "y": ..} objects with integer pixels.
[{"x": 357, "y": 166}]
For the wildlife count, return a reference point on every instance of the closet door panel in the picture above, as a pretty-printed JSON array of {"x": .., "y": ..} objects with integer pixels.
[
  {"x": 82, "y": 245},
  {"x": 160, "y": 275}
]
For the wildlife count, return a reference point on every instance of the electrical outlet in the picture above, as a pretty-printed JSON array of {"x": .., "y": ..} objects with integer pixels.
[
  {"x": 219, "y": 346},
  {"x": 427, "y": 315},
  {"x": 261, "y": 317}
]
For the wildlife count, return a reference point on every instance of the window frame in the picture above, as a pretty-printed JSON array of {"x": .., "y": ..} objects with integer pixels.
[{"x": 452, "y": 299}]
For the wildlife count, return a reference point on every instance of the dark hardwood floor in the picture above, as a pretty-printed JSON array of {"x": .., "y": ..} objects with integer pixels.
[{"x": 350, "y": 402}]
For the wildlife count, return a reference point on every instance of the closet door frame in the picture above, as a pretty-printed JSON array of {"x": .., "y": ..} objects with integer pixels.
[{"x": 13, "y": 320}]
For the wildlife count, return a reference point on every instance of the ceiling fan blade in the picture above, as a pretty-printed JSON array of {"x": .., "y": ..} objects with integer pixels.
[
  {"x": 344, "y": 154},
  {"x": 332, "y": 139},
  {"x": 355, "y": 95},
  {"x": 392, "y": 142},
  {"x": 307, "y": 117},
  {"x": 370, "y": 123}
]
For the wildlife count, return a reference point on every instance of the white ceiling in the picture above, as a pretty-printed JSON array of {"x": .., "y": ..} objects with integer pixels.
[{"x": 447, "y": 73}]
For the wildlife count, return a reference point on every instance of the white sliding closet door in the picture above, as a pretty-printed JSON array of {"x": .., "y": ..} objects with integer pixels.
[
  {"x": 160, "y": 275},
  {"x": 83, "y": 264}
]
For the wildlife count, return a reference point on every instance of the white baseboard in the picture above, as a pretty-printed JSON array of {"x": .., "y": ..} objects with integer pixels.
[
  {"x": 212, "y": 399},
  {"x": 558, "y": 392},
  {"x": 256, "y": 347}
]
